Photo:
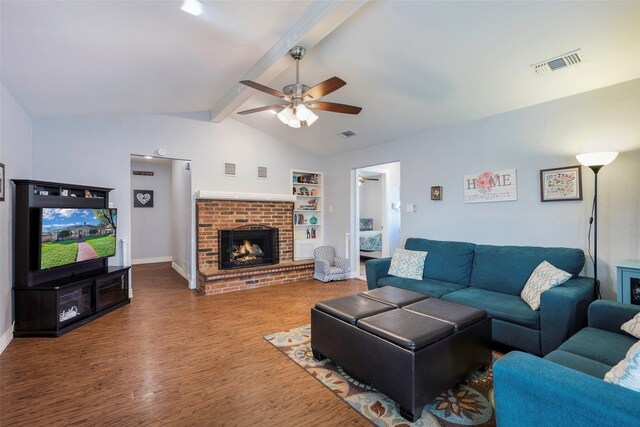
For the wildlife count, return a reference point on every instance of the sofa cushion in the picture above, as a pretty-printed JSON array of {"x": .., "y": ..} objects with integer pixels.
[
  {"x": 632, "y": 326},
  {"x": 543, "y": 278},
  {"x": 407, "y": 264},
  {"x": 579, "y": 363},
  {"x": 500, "y": 306},
  {"x": 627, "y": 372},
  {"x": 599, "y": 345},
  {"x": 447, "y": 261},
  {"x": 506, "y": 269},
  {"x": 429, "y": 287}
]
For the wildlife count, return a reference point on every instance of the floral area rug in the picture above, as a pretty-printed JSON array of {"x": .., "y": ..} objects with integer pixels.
[{"x": 469, "y": 403}]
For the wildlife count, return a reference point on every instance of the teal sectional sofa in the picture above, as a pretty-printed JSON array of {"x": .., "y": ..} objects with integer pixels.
[
  {"x": 566, "y": 388},
  {"x": 492, "y": 278}
]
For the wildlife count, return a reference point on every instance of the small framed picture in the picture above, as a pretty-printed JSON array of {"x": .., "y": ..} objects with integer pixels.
[
  {"x": 142, "y": 198},
  {"x": 44, "y": 193},
  {"x": 2, "y": 185},
  {"x": 436, "y": 193},
  {"x": 64, "y": 192},
  {"x": 561, "y": 184}
]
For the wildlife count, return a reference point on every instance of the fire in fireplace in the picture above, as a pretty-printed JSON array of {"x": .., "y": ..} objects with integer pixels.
[{"x": 247, "y": 246}]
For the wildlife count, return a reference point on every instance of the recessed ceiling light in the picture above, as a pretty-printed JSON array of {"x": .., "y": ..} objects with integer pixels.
[
  {"x": 194, "y": 7},
  {"x": 148, "y": 157}
]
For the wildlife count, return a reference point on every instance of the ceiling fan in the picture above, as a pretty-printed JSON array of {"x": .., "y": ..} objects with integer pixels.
[{"x": 298, "y": 99}]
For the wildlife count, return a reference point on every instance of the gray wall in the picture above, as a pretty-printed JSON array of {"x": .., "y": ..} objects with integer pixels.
[
  {"x": 151, "y": 228},
  {"x": 539, "y": 137},
  {"x": 15, "y": 154}
]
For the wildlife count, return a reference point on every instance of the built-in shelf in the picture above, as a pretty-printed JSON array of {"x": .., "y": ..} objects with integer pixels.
[{"x": 304, "y": 245}]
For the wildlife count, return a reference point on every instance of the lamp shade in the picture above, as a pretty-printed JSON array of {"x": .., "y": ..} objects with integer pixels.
[
  {"x": 311, "y": 118},
  {"x": 597, "y": 159}
]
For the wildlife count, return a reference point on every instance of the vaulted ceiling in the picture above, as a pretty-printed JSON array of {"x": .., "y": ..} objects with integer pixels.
[{"x": 412, "y": 66}]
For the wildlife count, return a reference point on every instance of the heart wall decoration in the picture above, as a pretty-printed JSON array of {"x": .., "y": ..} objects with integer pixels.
[{"x": 142, "y": 198}]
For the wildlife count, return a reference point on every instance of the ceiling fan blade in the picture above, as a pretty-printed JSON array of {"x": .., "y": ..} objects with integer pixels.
[
  {"x": 268, "y": 107},
  {"x": 324, "y": 88},
  {"x": 335, "y": 107},
  {"x": 263, "y": 88}
]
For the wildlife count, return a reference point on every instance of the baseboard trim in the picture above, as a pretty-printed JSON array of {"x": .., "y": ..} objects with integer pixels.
[
  {"x": 180, "y": 271},
  {"x": 151, "y": 260},
  {"x": 6, "y": 338}
]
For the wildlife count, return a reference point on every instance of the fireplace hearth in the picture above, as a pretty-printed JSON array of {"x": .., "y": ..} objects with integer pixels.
[{"x": 247, "y": 246}]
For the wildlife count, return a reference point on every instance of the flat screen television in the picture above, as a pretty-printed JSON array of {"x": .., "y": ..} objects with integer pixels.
[{"x": 69, "y": 236}]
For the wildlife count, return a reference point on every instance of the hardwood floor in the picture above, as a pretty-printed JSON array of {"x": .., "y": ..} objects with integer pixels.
[{"x": 174, "y": 357}]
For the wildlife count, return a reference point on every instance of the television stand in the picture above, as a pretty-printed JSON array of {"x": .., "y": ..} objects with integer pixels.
[
  {"x": 55, "y": 300},
  {"x": 54, "y": 308}
]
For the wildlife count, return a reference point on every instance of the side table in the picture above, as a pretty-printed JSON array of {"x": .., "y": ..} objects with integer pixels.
[{"x": 628, "y": 273}]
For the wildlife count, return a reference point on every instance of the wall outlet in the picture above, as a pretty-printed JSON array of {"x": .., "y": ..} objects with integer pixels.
[
  {"x": 410, "y": 207},
  {"x": 395, "y": 205}
]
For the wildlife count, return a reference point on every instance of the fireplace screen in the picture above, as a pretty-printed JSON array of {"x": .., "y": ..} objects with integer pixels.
[{"x": 247, "y": 246}]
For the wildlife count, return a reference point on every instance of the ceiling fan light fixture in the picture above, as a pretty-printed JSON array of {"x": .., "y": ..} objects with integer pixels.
[
  {"x": 192, "y": 7},
  {"x": 285, "y": 115},
  {"x": 294, "y": 123},
  {"x": 302, "y": 112},
  {"x": 311, "y": 118}
]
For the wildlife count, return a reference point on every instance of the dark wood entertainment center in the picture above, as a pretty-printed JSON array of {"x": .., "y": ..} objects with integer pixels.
[{"x": 52, "y": 302}]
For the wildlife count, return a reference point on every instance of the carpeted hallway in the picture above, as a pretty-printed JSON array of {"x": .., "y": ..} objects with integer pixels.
[{"x": 174, "y": 357}]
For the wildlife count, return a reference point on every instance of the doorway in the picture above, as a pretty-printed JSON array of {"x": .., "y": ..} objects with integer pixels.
[
  {"x": 162, "y": 212},
  {"x": 376, "y": 213}
]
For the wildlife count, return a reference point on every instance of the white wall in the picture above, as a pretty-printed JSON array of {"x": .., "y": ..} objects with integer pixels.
[
  {"x": 181, "y": 217},
  {"x": 539, "y": 137},
  {"x": 371, "y": 201},
  {"x": 96, "y": 151},
  {"x": 151, "y": 233},
  {"x": 15, "y": 154}
]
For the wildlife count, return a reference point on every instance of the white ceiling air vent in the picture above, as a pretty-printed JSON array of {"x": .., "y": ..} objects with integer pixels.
[
  {"x": 229, "y": 169},
  {"x": 262, "y": 172},
  {"x": 347, "y": 134},
  {"x": 567, "y": 60}
]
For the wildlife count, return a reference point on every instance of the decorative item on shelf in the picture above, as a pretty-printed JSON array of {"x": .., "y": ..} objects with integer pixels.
[
  {"x": 313, "y": 220},
  {"x": 436, "y": 193},
  {"x": 295, "y": 178},
  {"x": 87, "y": 194},
  {"x": 313, "y": 204},
  {"x": 314, "y": 192},
  {"x": 560, "y": 184},
  {"x": 596, "y": 161},
  {"x": 64, "y": 192},
  {"x": 43, "y": 192},
  {"x": 303, "y": 191},
  {"x": 73, "y": 195},
  {"x": 294, "y": 191},
  {"x": 69, "y": 314}
]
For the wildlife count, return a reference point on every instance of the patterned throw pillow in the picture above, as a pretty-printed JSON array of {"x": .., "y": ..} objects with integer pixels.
[
  {"x": 632, "y": 326},
  {"x": 627, "y": 372},
  {"x": 407, "y": 264},
  {"x": 543, "y": 278}
]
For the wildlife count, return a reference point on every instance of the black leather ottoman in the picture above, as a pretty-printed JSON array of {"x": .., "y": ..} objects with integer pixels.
[{"x": 411, "y": 354}]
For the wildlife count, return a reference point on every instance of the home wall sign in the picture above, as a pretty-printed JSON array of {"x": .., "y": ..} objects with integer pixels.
[{"x": 491, "y": 186}]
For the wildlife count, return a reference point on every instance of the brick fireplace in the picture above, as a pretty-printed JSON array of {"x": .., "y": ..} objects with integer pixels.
[{"x": 218, "y": 213}]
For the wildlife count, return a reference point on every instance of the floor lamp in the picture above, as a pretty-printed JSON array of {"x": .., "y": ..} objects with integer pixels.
[{"x": 596, "y": 161}]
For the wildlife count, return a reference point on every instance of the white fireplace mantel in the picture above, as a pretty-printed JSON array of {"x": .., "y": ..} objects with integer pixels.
[{"x": 232, "y": 195}]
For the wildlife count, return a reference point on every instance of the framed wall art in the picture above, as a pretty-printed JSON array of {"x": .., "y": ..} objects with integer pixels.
[
  {"x": 436, "y": 193},
  {"x": 560, "y": 184},
  {"x": 491, "y": 186},
  {"x": 142, "y": 198}
]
